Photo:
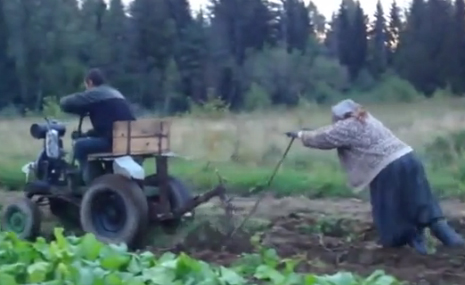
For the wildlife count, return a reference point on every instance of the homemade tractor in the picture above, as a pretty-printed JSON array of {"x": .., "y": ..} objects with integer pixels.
[{"x": 121, "y": 201}]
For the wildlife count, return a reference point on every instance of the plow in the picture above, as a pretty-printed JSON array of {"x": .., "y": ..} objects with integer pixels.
[{"x": 119, "y": 201}]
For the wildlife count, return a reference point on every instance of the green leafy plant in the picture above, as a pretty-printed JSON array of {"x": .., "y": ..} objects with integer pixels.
[
  {"x": 214, "y": 107},
  {"x": 84, "y": 260},
  {"x": 51, "y": 107}
]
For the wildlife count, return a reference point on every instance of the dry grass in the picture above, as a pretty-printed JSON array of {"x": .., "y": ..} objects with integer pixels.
[
  {"x": 415, "y": 123},
  {"x": 253, "y": 137},
  {"x": 254, "y": 133}
]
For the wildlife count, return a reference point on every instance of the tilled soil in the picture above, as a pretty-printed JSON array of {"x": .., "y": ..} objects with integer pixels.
[
  {"x": 330, "y": 234},
  {"x": 334, "y": 235}
]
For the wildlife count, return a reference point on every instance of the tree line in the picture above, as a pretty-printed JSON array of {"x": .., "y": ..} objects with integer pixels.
[{"x": 248, "y": 53}]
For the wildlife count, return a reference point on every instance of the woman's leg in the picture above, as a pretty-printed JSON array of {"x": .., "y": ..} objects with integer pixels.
[
  {"x": 428, "y": 211},
  {"x": 391, "y": 207},
  {"x": 446, "y": 234},
  {"x": 393, "y": 229},
  {"x": 418, "y": 241}
]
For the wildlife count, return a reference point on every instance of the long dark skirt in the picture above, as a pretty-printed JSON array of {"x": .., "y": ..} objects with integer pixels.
[{"x": 402, "y": 202}]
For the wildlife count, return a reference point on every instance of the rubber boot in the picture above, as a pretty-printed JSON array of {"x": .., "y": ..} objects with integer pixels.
[
  {"x": 418, "y": 242},
  {"x": 446, "y": 234}
]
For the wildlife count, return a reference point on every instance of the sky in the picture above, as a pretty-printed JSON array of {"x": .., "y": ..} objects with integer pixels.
[{"x": 327, "y": 7}]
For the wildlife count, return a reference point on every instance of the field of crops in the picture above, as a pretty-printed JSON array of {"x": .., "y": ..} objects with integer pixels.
[
  {"x": 304, "y": 242},
  {"x": 84, "y": 260}
]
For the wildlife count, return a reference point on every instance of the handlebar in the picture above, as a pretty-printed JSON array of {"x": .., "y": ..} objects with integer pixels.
[
  {"x": 78, "y": 133},
  {"x": 81, "y": 119}
]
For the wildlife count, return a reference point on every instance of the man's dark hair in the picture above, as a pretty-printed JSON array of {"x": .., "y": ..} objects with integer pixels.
[{"x": 95, "y": 76}]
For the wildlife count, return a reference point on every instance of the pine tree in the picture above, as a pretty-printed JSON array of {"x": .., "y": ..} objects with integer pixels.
[
  {"x": 393, "y": 31},
  {"x": 352, "y": 38},
  {"x": 116, "y": 35},
  {"x": 457, "y": 65},
  {"x": 154, "y": 38},
  {"x": 8, "y": 82},
  {"x": 295, "y": 25},
  {"x": 359, "y": 43},
  {"x": 378, "y": 43}
]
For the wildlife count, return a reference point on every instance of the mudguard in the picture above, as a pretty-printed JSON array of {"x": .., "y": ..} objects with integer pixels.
[{"x": 128, "y": 167}]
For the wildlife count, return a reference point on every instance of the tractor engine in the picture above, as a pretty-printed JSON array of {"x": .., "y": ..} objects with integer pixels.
[
  {"x": 50, "y": 165},
  {"x": 39, "y": 131}
]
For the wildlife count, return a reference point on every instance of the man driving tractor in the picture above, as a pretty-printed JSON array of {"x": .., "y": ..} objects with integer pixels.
[{"x": 104, "y": 105}]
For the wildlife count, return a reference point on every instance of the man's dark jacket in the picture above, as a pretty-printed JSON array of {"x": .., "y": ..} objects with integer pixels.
[{"x": 104, "y": 105}]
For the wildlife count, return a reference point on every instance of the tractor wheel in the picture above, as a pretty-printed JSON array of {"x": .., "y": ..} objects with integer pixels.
[
  {"x": 179, "y": 194},
  {"x": 22, "y": 217},
  {"x": 115, "y": 210}
]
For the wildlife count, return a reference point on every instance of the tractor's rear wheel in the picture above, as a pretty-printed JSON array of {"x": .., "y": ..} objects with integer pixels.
[
  {"x": 22, "y": 217},
  {"x": 115, "y": 210}
]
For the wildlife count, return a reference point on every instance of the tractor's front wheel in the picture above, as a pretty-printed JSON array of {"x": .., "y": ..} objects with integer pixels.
[
  {"x": 115, "y": 210},
  {"x": 22, "y": 217}
]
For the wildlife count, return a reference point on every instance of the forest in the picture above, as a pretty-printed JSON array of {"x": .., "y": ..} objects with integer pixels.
[{"x": 248, "y": 54}]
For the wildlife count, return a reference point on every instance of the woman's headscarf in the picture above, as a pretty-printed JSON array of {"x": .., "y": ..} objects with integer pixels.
[{"x": 347, "y": 108}]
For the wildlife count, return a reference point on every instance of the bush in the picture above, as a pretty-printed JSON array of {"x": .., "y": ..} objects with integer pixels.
[
  {"x": 51, "y": 107},
  {"x": 10, "y": 111},
  {"x": 365, "y": 81},
  {"x": 395, "y": 89},
  {"x": 256, "y": 98},
  {"x": 446, "y": 150},
  {"x": 327, "y": 79},
  {"x": 213, "y": 108},
  {"x": 288, "y": 76},
  {"x": 446, "y": 158},
  {"x": 391, "y": 89}
]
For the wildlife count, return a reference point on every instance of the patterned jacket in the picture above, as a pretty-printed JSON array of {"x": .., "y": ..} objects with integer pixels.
[{"x": 364, "y": 148}]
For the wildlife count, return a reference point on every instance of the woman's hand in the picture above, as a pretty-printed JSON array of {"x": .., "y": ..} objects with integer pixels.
[{"x": 294, "y": 134}]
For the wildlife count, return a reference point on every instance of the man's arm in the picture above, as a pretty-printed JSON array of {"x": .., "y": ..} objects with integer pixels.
[
  {"x": 333, "y": 136},
  {"x": 78, "y": 103}
]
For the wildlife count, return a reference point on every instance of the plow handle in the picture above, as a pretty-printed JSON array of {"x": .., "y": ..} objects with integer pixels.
[{"x": 280, "y": 162}]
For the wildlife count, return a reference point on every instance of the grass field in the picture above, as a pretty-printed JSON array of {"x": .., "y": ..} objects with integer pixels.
[{"x": 245, "y": 147}]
